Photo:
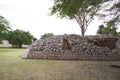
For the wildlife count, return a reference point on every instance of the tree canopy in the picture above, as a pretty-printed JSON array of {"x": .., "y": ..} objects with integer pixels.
[
  {"x": 107, "y": 30},
  {"x": 19, "y": 37},
  {"x": 110, "y": 12},
  {"x": 4, "y": 27},
  {"x": 47, "y": 35},
  {"x": 83, "y": 11}
]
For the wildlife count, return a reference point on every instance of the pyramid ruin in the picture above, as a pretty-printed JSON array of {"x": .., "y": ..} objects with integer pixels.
[{"x": 75, "y": 47}]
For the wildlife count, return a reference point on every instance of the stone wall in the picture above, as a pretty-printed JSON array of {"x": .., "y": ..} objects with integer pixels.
[
  {"x": 80, "y": 48},
  {"x": 72, "y": 56},
  {"x": 117, "y": 44},
  {"x": 105, "y": 41}
]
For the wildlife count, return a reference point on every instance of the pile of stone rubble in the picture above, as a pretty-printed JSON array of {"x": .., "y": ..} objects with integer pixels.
[{"x": 77, "y": 44}]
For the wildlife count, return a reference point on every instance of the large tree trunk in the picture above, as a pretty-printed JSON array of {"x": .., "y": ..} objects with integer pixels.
[
  {"x": 82, "y": 31},
  {"x": 20, "y": 45}
]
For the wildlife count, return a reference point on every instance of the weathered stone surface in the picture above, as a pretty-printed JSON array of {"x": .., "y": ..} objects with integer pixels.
[
  {"x": 104, "y": 41},
  {"x": 117, "y": 44},
  {"x": 25, "y": 55},
  {"x": 65, "y": 44},
  {"x": 75, "y": 47}
]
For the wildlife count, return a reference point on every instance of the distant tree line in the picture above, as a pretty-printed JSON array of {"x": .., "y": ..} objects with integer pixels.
[
  {"x": 19, "y": 37},
  {"x": 47, "y": 35},
  {"x": 15, "y": 37},
  {"x": 4, "y": 27},
  {"x": 108, "y": 30}
]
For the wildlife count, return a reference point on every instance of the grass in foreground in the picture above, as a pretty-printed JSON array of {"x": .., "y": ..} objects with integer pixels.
[{"x": 13, "y": 67}]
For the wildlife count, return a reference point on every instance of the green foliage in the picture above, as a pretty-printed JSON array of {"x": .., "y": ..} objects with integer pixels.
[
  {"x": 101, "y": 29},
  {"x": 81, "y": 10},
  {"x": 19, "y": 37},
  {"x": 70, "y": 8},
  {"x": 107, "y": 30},
  {"x": 47, "y": 35},
  {"x": 4, "y": 27},
  {"x": 118, "y": 34}
]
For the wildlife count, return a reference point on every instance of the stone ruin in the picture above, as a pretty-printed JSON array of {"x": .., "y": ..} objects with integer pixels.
[{"x": 75, "y": 47}]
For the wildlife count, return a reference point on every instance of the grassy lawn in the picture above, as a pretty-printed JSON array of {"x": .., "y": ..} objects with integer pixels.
[{"x": 13, "y": 67}]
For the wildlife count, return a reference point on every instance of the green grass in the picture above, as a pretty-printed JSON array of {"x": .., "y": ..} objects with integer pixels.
[{"x": 13, "y": 67}]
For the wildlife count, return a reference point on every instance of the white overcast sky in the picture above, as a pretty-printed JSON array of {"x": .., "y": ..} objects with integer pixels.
[{"x": 32, "y": 16}]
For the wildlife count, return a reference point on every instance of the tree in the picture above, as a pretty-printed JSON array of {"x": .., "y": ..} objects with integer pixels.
[
  {"x": 47, "y": 35},
  {"x": 110, "y": 12},
  {"x": 4, "y": 27},
  {"x": 83, "y": 11},
  {"x": 101, "y": 29},
  {"x": 19, "y": 37},
  {"x": 107, "y": 30}
]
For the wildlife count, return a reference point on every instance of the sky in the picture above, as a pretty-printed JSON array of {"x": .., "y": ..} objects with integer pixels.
[{"x": 33, "y": 16}]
